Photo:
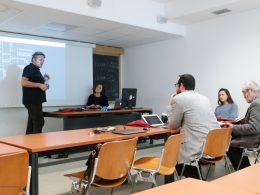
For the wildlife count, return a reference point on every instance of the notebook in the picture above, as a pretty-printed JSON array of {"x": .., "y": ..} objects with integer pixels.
[
  {"x": 153, "y": 120},
  {"x": 129, "y": 131}
]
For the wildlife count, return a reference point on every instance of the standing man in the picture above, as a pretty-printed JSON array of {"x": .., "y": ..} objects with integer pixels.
[
  {"x": 34, "y": 92},
  {"x": 191, "y": 112}
]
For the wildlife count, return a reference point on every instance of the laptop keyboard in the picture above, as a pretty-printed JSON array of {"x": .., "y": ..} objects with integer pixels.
[{"x": 129, "y": 131}]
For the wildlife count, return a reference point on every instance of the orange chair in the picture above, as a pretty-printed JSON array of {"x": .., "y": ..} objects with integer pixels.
[
  {"x": 214, "y": 149},
  {"x": 14, "y": 173},
  {"x": 111, "y": 168},
  {"x": 163, "y": 165}
]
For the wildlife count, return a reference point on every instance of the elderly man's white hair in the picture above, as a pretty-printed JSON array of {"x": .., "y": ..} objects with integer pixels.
[{"x": 251, "y": 85}]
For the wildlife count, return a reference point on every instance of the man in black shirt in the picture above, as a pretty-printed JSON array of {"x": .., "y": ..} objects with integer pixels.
[{"x": 34, "y": 88}]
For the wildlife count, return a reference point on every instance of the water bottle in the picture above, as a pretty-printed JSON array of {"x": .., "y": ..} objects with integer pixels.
[
  {"x": 47, "y": 84},
  {"x": 46, "y": 80}
]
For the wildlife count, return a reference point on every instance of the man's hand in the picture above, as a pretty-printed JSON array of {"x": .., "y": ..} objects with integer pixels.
[
  {"x": 229, "y": 124},
  {"x": 172, "y": 95},
  {"x": 43, "y": 87}
]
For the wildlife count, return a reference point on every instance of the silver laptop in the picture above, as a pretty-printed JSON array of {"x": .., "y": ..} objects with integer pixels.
[{"x": 154, "y": 120}]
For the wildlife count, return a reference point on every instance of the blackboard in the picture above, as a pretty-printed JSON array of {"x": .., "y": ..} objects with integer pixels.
[{"x": 106, "y": 71}]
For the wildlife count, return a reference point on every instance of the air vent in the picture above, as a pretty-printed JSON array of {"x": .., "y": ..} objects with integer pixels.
[
  {"x": 94, "y": 3},
  {"x": 221, "y": 11}
]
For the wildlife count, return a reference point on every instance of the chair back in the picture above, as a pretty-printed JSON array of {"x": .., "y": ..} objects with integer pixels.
[
  {"x": 13, "y": 172},
  {"x": 217, "y": 142},
  {"x": 171, "y": 150},
  {"x": 115, "y": 159}
]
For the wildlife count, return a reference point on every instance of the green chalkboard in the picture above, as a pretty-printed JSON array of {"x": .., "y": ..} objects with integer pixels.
[{"x": 106, "y": 71}]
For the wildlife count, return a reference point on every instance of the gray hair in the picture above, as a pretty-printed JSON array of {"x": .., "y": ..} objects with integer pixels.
[{"x": 253, "y": 86}]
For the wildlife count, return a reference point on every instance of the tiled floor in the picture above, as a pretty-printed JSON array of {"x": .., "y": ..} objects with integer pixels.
[{"x": 52, "y": 181}]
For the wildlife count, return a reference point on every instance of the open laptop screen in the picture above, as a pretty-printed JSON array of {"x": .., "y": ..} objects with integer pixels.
[{"x": 153, "y": 120}]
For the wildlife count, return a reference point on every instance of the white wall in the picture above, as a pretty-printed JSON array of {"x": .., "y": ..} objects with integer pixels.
[{"x": 220, "y": 53}]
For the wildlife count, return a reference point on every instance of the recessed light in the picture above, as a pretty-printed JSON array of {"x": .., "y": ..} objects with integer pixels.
[{"x": 58, "y": 27}]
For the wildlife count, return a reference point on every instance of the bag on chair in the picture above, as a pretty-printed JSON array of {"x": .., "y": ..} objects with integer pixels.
[{"x": 90, "y": 166}]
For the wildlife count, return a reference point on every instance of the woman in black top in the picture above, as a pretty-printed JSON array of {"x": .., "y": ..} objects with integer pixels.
[{"x": 98, "y": 98}]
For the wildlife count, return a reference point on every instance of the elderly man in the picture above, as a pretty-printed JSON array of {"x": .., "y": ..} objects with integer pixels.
[{"x": 246, "y": 134}]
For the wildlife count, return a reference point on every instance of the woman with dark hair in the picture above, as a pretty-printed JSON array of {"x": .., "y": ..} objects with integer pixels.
[
  {"x": 98, "y": 99},
  {"x": 226, "y": 108}
]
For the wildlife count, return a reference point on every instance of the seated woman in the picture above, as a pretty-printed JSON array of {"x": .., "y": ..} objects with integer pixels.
[
  {"x": 98, "y": 99},
  {"x": 227, "y": 109}
]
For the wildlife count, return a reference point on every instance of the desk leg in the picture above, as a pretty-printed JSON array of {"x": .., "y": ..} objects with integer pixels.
[{"x": 34, "y": 187}]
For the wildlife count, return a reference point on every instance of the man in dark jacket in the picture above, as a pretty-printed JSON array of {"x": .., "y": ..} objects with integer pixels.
[{"x": 246, "y": 134}]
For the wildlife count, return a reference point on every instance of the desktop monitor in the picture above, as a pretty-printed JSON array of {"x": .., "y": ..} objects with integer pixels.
[{"x": 129, "y": 97}]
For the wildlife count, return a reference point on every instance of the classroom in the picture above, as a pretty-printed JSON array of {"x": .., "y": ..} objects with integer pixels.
[{"x": 155, "y": 42}]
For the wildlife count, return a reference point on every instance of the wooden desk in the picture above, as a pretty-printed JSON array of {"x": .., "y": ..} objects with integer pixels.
[
  {"x": 247, "y": 179},
  {"x": 191, "y": 186},
  {"x": 63, "y": 141},
  {"x": 13, "y": 169},
  {"x": 98, "y": 118},
  {"x": 7, "y": 149}
]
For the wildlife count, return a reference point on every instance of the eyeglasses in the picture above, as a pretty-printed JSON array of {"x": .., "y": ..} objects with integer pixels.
[{"x": 245, "y": 91}]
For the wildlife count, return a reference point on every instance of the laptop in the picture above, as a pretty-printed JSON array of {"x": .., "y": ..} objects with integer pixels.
[
  {"x": 118, "y": 104},
  {"x": 129, "y": 131},
  {"x": 154, "y": 120}
]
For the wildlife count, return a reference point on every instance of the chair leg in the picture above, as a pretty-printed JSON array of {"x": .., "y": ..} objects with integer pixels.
[
  {"x": 197, "y": 166},
  {"x": 256, "y": 159},
  {"x": 176, "y": 176},
  {"x": 112, "y": 190},
  {"x": 240, "y": 161},
  {"x": 227, "y": 163},
  {"x": 153, "y": 179},
  {"x": 182, "y": 171},
  {"x": 208, "y": 172},
  {"x": 134, "y": 183},
  {"x": 130, "y": 177}
]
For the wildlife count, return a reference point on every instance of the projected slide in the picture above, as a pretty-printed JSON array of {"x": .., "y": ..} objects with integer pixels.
[{"x": 16, "y": 53}]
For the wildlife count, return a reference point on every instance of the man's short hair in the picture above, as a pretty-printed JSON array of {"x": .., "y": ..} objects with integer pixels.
[
  {"x": 38, "y": 53},
  {"x": 188, "y": 81}
]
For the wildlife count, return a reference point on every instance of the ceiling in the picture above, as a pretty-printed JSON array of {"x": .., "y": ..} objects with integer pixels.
[
  {"x": 29, "y": 19},
  {"x": 192, "y": 11}
]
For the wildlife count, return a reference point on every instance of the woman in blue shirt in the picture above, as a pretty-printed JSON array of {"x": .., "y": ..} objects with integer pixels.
[{"x": 226, "y": 108}]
